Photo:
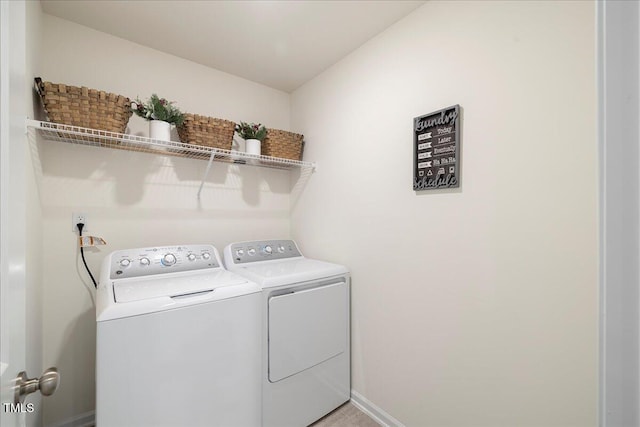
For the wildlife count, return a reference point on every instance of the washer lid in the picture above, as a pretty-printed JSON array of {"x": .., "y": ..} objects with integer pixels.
[{"x": 172, "y": 285}]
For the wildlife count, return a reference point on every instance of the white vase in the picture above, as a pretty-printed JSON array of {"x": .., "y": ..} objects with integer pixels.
[
  {"x": 252, "y": 146},
  {"x": 159, "y": 130}
]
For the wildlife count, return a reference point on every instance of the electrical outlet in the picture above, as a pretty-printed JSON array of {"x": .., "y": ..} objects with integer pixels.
[{"x": 79, "y": 218}]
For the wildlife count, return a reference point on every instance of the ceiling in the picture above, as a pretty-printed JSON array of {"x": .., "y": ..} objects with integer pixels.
[{"x": 281, "y": 44}]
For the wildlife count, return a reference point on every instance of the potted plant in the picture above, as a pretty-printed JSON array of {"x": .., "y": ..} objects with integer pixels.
[
  {"x": 161, "y": 115},
  {"x": 253, "y": 134}
]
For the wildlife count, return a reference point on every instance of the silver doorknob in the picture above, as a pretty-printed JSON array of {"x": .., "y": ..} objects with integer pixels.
[{"x": 47, "y": 384}]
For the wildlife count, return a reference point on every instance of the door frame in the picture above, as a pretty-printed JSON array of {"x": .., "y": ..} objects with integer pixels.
[{"x": 618, "y": 51}]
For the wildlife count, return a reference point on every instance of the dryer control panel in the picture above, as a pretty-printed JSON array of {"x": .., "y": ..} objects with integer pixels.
[
  {"x": 261, "y": 250},
  {"x": 159, "y": 260}
]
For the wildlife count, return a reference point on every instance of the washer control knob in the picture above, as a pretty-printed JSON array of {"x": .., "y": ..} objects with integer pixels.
[
  {"x": 251, "y": 252},
  {"x": 281, "y": 249},
  {"x": 191, "y": 256},
  {"x": 168, "y": 259},
  {"x": 145, "y": 261},
  {"x": 125, "y": 262},
  {"x": 206, "y": 255},
  {"x": 239, "y": 252},
  {"x": 267, "y": 250}
]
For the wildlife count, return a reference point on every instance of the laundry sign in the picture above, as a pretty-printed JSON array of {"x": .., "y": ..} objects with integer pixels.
[{"x": 436, "y": 148}]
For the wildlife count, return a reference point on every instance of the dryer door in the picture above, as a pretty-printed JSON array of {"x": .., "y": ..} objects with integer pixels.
[{"x": 306, "y": 328}]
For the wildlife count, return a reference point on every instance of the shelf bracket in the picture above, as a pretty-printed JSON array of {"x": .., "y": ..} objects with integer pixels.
[
  {"x": 206, "y": 172},
  {"x": 26, "y": 124}
]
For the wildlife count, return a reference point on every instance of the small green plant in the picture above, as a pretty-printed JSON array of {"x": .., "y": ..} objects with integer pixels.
[
  {"x": 251, "y": 131},
  {"x": 157, "y": 108}
]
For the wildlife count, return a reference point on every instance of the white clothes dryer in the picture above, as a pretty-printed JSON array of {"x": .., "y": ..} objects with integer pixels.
[
  {"x": 178, "y": 341},
  {"x": 306, "y": 344}
]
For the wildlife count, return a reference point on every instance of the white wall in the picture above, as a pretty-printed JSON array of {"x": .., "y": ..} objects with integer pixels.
[
  {"x": 478, "y": 305},
  {"x": 133, "y": 199}
]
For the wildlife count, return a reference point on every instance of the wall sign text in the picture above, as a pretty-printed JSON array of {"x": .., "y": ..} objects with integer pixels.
[{"x": 436, "y": 148}]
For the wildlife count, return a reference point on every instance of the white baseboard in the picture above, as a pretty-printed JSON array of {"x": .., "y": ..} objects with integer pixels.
[
  {"x": 88, "y": 419},
  {"x": 378, "y": 415}
]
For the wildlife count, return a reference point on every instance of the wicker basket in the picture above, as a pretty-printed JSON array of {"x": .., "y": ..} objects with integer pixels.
[
  {"x": 84, "y": 107},
  {"x": 283, "y": 144},
  {"x": 207, "y": 131}
]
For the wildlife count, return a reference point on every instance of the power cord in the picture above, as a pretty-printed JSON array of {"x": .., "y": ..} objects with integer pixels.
[{"x": 80, "y": 227}]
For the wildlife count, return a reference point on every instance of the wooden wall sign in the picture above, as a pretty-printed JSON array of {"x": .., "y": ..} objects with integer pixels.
[{"x": 436, "y": 150}]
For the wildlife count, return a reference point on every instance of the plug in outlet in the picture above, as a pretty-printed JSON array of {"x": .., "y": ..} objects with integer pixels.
[{"x": 77, "y": 218}]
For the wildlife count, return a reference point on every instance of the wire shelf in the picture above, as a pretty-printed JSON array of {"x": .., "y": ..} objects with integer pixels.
[{"x": 119, "y": 141}]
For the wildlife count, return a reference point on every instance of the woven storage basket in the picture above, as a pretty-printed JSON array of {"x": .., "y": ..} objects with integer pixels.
[
  {"x": 206, "y": 131},
  {"x": 84, "y": 107},
  {"x": 283, "y": 144}
]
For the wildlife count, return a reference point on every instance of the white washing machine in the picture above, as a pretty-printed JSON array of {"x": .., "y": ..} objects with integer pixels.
[
  {"x": 178, "y": 341},
  {"x": 306, "y": 354}
]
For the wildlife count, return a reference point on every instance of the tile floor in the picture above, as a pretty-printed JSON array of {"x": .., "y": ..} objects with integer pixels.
[{"x": 346, "y": 416}]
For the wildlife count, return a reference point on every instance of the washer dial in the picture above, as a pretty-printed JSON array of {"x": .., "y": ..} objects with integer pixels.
[{"x": 168, "y": 259}]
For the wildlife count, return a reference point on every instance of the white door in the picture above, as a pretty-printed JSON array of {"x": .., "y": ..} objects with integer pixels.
[{"x": 12, "y": 259}]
